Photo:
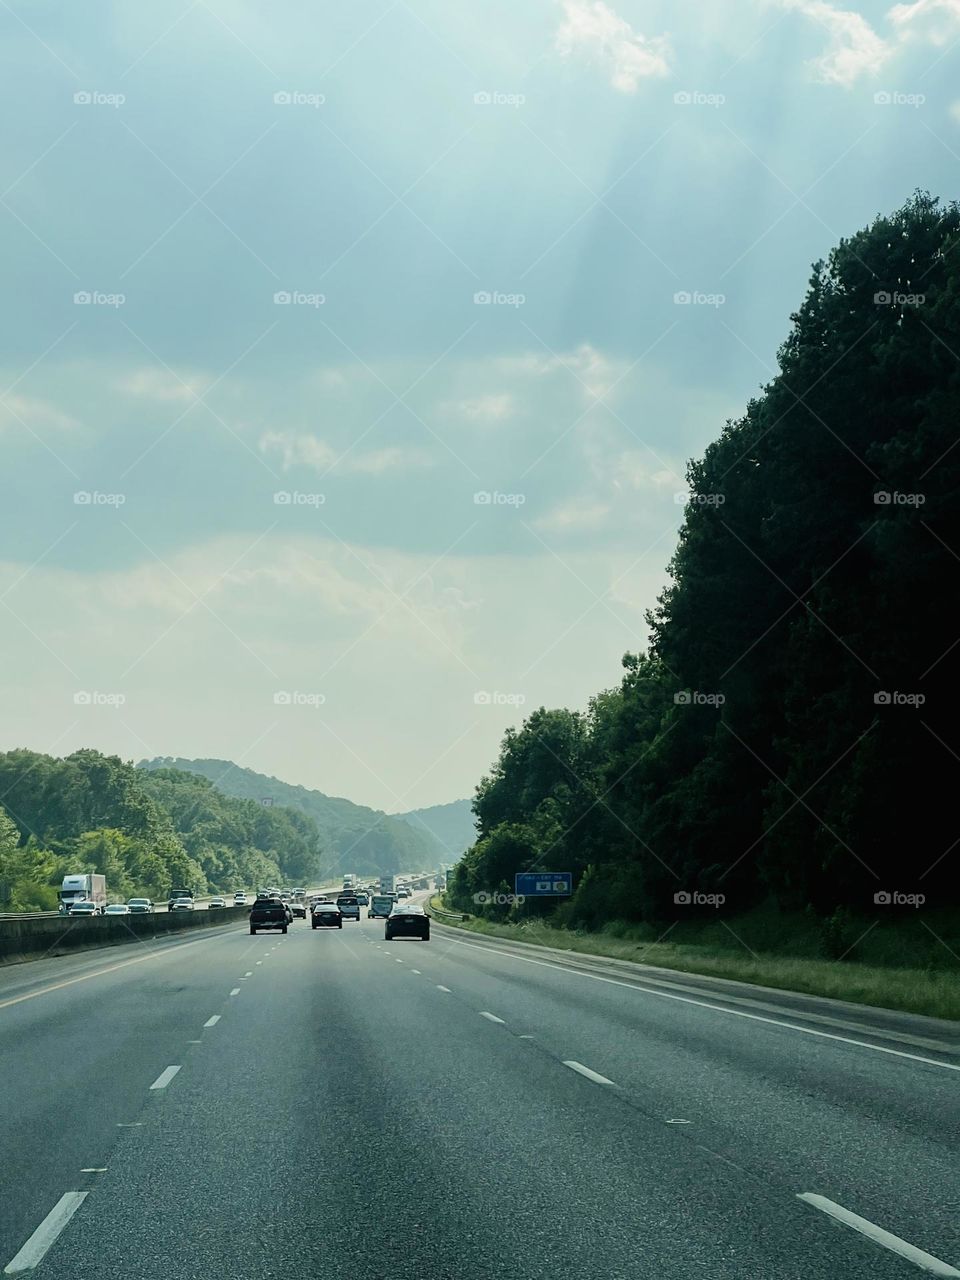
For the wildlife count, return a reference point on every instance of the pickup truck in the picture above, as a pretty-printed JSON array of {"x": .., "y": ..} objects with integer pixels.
[{"x": 269, "y": 913}]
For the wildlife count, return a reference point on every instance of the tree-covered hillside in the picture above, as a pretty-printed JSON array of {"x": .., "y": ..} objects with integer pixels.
[
  {"x": 144, "y": 832},
  {"x": 789, "y": 736},
  {"x": 355, "y": 838}
]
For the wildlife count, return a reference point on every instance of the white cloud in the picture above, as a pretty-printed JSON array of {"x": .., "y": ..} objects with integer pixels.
[
  {"x": 158, "y": 384},
  {"x": 933, "y": 20},
  {"x": 486, "y": 408},
  {"x": 854, "y": 50},
  {"x": 574, "y": 516},
  {"x": 310, "y": 451},
  {"x": 594, "y": 28},
  {"x": 17, "y": 411}
]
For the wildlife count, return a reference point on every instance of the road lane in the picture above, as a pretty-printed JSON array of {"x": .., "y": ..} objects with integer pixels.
[
  {"x": 877, "y": 1133},
  {"x": 341, "y": 1097},
  {"x": 81, "y": 1038}
]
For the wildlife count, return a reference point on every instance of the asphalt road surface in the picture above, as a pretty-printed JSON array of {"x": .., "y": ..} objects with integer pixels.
[{"x": 327, "y": 1103}]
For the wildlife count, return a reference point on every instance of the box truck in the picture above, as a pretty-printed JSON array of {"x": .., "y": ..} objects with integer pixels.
[{"x": 85, "y": 888}]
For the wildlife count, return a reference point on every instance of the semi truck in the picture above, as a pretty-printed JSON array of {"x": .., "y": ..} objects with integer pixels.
[
  {"x": 349, "y": 881},
  {"x": 386, "y": 884},
  {"x": 82, "y": 888}
]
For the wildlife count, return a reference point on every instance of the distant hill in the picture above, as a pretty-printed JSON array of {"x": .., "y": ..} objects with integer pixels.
[
  {"x": 354, "y": 838},
  {"x": 451, "y": 825}
]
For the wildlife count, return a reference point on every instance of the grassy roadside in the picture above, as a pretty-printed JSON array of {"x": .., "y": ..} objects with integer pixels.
[{"x": 910, "y": 988}]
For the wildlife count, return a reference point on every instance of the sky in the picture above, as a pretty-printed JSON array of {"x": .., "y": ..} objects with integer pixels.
[{"x": 351, "y": 355}]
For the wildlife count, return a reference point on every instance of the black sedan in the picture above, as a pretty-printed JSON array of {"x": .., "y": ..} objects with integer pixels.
[
  {"x": 407, "y": 920},
  {"x": 325, "y": 915},
  {"x": 299, "y": 908}
]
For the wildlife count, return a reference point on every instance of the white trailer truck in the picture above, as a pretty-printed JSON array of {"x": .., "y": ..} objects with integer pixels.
[{"x": 85, "y": 888}]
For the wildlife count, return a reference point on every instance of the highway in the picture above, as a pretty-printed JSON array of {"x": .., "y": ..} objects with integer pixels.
[{"x": 273, "y": 1106}]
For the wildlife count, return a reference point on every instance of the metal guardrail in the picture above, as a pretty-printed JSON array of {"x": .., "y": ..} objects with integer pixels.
[{"x": 441, "y": 915}]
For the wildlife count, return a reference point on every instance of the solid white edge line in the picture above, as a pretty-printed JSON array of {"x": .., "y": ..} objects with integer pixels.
[
  {"x": 33, "y": 1251},
  {"x": 585, "y": 1071},
  {"x": 492, "y": 1017},
  {"x": 212, "y": 1022},
  {"x": 164, "y": 1078},
  {"x": 717, "y": 1008},
  {"x": 889, "y": 1241}
]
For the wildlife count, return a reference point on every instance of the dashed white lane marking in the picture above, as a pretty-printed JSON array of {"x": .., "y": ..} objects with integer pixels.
[
  {"x": 439, "y": 988},
  {"x": 398, "y": 960},
  {"x": 414, "y": 970},
  {"x": 33, "y": 1251},
  {"x": 164, "y": 1078},
  {"x": 212, "y": 1022},
  {"x": 248, "y": 974},
  {"x": 259, "y": 962},
  {"x": 585, "y": 1071},
  {"x": 103, "y": 1169},
  {"x": 492, "y": 1017},
  {"x": 235, "y": 991},
  {"x": 926, "y": 1261},
  {"x": 716, "y": 1008}
]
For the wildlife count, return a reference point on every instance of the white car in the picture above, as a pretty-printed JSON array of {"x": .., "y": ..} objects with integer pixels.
[
  {"x": 217, "y": 902},
  {"x": 84, "y": 909},
  {"x": 240, "y": 899},
  {"x": 117, "y": 909},
  {"x": 182, "y": 904},
  {"x": 140, "y": 906}
]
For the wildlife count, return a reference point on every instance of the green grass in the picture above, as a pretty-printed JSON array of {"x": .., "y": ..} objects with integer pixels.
[{"x": 898, "y": 966}]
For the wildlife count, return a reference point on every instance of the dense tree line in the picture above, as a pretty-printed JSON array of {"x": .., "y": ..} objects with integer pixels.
[
  {"x": 789, "y": 736},
  {"x": 144, "y": 831}
]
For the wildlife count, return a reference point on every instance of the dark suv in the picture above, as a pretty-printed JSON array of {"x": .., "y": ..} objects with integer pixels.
[
  {"x": 269, "y": 913},
  {"x": 407, "y": 920}
]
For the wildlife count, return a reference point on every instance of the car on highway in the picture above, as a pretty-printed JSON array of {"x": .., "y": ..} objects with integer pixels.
[
  {"x": 269, "y": 913},
  {"x": 403, "y": 891},
  {"x": 84, "y": 908},
  {"x": 117, "y": 909},
  {"x": 380, "y": 906},
  {"x": 363, "y": 899},
  {"x": 240, "y": 899},
  {"x": 299, "y": 908},
  {"x": 217, "y": 902},
  {"x": 326, "y": 915},
  {"x": 140, "y": 906},
  {"x": 407, "y": 920},
  {"x": 181, "y": 904},
  {"x": 349, "y": 906}
]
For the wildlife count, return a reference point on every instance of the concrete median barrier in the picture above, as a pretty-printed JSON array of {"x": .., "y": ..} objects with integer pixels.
[{"x": 32, "y": 937}]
